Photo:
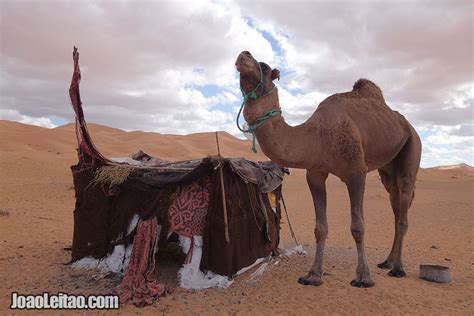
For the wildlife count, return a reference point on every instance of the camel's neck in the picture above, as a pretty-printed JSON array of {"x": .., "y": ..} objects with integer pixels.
[{"x": 289, "y": 146}]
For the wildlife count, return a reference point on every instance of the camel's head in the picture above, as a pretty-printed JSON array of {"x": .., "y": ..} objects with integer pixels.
[
  {"x": 253, "y": 72},
  {"x": 256, "y": 80}
]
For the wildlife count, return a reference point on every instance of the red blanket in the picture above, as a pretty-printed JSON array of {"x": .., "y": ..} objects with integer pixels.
[{"x": 139, "y": 285}]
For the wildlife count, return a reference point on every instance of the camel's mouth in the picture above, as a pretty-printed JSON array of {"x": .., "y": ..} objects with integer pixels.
[
  {"x": 241, "y": 67},
  {"x": 245, "y": 63}
]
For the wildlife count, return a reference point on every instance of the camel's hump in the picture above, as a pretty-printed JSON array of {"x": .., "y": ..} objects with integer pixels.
[{"x": 367, "y": 88}]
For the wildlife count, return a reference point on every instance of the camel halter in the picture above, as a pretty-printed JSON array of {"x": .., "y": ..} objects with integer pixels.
[{"x": 252, "y": 127}]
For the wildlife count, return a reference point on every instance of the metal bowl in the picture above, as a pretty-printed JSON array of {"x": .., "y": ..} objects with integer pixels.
[{"x": 435, "y": 273}]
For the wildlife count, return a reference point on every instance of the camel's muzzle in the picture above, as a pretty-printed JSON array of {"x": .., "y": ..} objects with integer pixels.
[{"x": 245, "y": 62}]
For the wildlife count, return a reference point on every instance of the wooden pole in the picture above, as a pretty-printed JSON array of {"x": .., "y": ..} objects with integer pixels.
[
  {"x": 218, "y": 148},
  {"x": 224, "y": 204}
]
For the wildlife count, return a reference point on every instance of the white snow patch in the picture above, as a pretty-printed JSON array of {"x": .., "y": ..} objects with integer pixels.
[
  {"x": 259, "y": 272},
  {"x": 297, "y": 250},
  {"x": 133, "y": 223},
  {"x": 86, "y": 263},
  {"x": 116, "y": 262},
  {"x": 190, "y": 277},
  {"x": 185, "y": 242},
  {"x": 257, "y": 262},
  {"x": 127, "y": 160}
]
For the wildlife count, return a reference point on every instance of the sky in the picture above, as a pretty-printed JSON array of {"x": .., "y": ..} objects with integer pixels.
[{"x": 168, "y": 66}]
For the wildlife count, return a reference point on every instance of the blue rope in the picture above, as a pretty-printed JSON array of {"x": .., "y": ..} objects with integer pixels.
[
  {"x": 253, "y": 94},
  {"x": 261, "y": 120}
]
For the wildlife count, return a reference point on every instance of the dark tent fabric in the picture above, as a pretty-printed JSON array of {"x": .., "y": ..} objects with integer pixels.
[
  {"x": 104, "y": 210},
  {"x": 103, "y": 214}
]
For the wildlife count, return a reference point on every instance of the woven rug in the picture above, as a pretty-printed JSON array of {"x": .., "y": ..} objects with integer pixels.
[
  {"x": 187, "y": 213},
  {"x": 139, "y": 285}
]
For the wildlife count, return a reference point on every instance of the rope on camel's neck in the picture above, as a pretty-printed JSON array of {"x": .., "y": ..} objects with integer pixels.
[{"x": 252, "y": 127}]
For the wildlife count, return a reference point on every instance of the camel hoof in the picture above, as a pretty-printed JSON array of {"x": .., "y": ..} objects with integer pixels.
[
  {"x": 385, "y": 265},
  {"x": 362, "y": 283},
  {"x": 310, "y": 280},
  {"x": 397, "y": 273}
]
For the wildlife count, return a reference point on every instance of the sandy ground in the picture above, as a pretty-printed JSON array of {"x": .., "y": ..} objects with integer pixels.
[{"x": 37, "y": 201}]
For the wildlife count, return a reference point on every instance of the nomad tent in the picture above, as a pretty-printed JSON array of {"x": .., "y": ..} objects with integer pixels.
[{"x": 226, "y": 212}]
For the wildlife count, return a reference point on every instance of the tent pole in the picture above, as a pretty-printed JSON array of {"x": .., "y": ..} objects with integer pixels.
[{"x": 224, "y": 204}]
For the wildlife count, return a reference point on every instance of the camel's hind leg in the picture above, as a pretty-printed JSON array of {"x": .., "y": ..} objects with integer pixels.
[
  {"x": 406, "y": 166},
  {"x": 356, "y": 187}
]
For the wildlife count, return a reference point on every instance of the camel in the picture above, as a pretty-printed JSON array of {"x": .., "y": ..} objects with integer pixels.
[{"x": 349, "y": 135}]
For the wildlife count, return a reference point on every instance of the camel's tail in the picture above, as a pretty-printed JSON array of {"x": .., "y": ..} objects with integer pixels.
[{"x": 368, "y": 89}]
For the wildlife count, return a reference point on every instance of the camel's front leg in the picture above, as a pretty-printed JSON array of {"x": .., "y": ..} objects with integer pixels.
[
  {"x": 317, "y": 186},
  {"x": 356, "y": 187}
]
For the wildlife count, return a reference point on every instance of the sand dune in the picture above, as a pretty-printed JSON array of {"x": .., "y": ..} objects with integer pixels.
[
  {"x": 459, "y": 167},
  {"x": 37, "y": 200}
]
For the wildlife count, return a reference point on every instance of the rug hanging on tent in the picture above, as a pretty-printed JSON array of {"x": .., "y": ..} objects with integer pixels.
[
  {"x": 187, "y": 213},
  {"x": 139, "y": 285}
]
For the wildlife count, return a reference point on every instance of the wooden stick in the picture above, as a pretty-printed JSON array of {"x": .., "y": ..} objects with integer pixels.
[
  {"x": 218, "y": 149},
  {"x": 224, "y": 204}
]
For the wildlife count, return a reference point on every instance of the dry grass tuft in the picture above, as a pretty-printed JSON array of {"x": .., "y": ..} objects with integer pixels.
[{"x": 111, "y": 175}]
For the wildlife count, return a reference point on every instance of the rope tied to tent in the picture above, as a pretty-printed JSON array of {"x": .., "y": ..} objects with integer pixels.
[{"x": 289, "y": 223}]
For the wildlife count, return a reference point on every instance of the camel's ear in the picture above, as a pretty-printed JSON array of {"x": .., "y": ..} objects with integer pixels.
[{"x": 275, "y": 74}]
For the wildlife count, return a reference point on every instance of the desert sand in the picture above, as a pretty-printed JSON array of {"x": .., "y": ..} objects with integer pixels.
[{"x": 36, "y": 224}]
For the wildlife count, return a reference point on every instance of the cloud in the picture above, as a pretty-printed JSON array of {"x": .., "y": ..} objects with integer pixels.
[
  {"x": 418, "y": 52},
  {"x": 444, "y": 145},
  {"x": 450, "y": 116},
  {"x": 464, "y": 130},
  {"x": 297, "y": 107},
  {"x": 13, "y": 115},
  {"x": 137, "y": 61},
  {"x": 434, "y": 156}
]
